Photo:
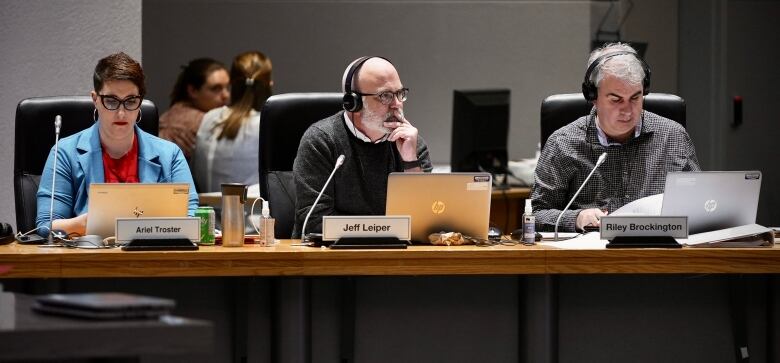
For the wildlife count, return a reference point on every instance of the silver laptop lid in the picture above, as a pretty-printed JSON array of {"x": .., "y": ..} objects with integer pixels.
[
  {"x": 712, "y": 200},
  {"x": 109, "y": 201},
  {"x": 452, "y": 202}
]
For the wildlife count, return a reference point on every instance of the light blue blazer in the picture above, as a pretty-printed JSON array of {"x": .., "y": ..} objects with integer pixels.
[{"x": 80, "y": 163}]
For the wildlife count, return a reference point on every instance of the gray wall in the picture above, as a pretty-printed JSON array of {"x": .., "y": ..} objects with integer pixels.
[
  {"x": 50, "y": 48},
  {"x": 657, "y": 23},
  {"x": 534, "y": 48}
]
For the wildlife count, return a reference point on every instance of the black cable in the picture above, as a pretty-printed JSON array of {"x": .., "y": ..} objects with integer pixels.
[
  {"x": 604, "y": 19},
  {"x": 624, "y": 17}
]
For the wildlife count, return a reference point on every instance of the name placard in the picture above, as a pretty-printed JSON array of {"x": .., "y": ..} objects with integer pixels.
[
  {"x": 643, "y": 226},
  {"x": 335, "y": 227},
  {"x": 128, "y": 229}
]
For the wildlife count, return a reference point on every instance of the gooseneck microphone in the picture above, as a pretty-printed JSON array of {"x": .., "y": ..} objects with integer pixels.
[
  {"x": 57, "y": 125},
  {"x": 339, "y": 161},
  {"x": 598, "y": 162}
]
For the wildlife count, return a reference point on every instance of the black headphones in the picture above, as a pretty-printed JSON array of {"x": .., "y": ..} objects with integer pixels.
[
  {"x": 352, "y": 101},
  {"x": 6, "y": 234},
  {"x": 589, "y": 89}
]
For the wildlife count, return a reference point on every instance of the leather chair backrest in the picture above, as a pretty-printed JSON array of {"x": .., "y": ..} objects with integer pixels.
[
  {"x": 560, "y": 110},
  {"x": 35, "y": 137},
  {"x": 284, "y": 119}
]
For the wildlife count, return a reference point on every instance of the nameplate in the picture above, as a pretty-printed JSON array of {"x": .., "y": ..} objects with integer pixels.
[
  {"x": 643, "y": 226},
  {"x": 128, "y": 229},
  {"x": 335, "y": 227}
]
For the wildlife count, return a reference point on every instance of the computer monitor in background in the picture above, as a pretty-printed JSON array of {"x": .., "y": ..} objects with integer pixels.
[{"x": 480, "y": 128}]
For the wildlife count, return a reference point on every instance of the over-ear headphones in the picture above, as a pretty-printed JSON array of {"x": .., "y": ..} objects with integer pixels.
[
  {"x": 589, "y": 89},
  {"x": 352, "y": 101},
  {"x": 6, "y": 234}
]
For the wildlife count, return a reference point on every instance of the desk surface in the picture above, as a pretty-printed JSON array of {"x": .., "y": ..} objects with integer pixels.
[
  {"x": 27, "y": 335},
  {"x": 286, "y": 259}
]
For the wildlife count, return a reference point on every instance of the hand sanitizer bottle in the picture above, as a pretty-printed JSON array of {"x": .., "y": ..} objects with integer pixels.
[
  {"x": 267, "y": 222},
  {"x": 529, "y": 224}
]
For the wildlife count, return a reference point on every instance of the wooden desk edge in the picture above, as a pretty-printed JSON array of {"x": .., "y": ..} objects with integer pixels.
[{"x": 287, "y": 260}]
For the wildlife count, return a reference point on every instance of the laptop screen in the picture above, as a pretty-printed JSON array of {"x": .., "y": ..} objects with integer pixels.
[
  {"x": 712, "y": 200},
  {"x": 109, "y": 201},
  {"x": 452, "y": 202}
]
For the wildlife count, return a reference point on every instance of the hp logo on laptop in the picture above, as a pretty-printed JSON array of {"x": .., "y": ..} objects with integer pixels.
[
  {"x": 137, "y": 212},
  {"x": 438, "y": 207},
  {"x": 710, "y": 205}
]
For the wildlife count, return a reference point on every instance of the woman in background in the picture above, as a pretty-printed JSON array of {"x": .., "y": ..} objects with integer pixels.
[
  {"x": 227, "y": 140},
  {"x": 113, "y": 150},
  {"x": 202, "y": 85}
]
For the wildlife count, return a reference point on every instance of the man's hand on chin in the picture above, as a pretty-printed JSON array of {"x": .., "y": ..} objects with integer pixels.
[{"x": 404, "y": 135}]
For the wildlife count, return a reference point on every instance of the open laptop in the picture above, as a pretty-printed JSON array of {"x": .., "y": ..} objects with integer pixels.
[
  {"x": 104, "y": 305},
  {"x": 452, "y": 202},
  {"x": 712, "y": 200},
  {"x": 109, "y": 201}
]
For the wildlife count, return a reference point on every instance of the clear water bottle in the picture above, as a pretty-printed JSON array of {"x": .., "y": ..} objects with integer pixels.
[{"x": 529, "y": 224}]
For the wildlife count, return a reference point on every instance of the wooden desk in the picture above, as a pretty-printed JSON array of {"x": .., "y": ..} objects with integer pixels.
[
  {"x": 385, "y": 287},
  {"x": 34, "y": 336},
  {"x": 289, "y": 260}
]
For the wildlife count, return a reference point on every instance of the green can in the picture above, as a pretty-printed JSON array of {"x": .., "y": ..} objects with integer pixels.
[{"x": 207, "y": 220}]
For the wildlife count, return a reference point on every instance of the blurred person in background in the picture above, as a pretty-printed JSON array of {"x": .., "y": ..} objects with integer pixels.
[
  {"x": 227, "y": 147},
  {"x": 202, "y": 85}
]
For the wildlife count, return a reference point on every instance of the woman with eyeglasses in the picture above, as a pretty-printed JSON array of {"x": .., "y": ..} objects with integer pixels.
[
  {"x": 202, "y": 85},
  {"x": 113, "y": 150},
  {"x": 228, "y": 138}
]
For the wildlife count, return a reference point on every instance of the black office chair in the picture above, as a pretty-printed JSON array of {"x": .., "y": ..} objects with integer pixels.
[
  {"x": 35, "y": 137},
  {"x": 560, "y": 110},
  {"x": 284, "y": 119}
]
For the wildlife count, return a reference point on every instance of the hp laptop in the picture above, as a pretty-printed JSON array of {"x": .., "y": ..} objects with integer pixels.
[
  {"x": 104, "y": 305},
  {"x": 712, "y": 200},
  {"x": 109, "y": 201},
  {"x": 452, "y": 202}
]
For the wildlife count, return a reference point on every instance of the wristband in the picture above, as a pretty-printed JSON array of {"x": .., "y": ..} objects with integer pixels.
[{"x": 411, "y": 164}]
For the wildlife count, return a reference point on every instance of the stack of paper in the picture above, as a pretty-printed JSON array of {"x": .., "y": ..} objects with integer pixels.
[{"x": 750, "y": 235}]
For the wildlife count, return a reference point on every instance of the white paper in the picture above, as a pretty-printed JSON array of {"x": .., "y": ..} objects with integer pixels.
[
  {"x": 647, "y": 206},
  {"x": 721, "y": 237},
  {"x": 589, "y": 241}
]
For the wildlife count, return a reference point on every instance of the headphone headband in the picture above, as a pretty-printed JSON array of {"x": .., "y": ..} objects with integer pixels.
[{"x": 589, "y": 88}]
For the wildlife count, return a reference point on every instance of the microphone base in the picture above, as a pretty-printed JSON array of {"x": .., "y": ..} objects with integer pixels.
[
  {"x": 368, "y": 243},
  {"x": 643, "y": 242},
  {"x": 31, "y": 239}
]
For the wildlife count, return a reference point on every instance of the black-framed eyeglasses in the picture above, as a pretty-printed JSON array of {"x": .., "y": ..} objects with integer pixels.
[
  {"x": 112, "y": 103},
  {"x": 386, "y": 97}
]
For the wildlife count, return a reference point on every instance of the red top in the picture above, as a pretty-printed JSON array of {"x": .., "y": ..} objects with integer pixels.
[{"x": 124, "y": 169}]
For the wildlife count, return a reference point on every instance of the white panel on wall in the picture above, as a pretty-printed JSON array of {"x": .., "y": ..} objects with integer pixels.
[
  {"x": 533, "y": 48},
  {"x": 50, "y": 48}
]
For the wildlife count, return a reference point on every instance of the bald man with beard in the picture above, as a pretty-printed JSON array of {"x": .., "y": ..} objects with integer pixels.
[{"x": 376, "y": 139}]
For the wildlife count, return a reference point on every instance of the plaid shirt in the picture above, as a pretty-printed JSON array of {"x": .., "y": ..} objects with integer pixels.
[{"x": 631, "y": 171}]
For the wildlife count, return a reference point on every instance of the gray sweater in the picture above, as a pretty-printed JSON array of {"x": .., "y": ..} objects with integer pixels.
[{"x": 359, "y": 187}]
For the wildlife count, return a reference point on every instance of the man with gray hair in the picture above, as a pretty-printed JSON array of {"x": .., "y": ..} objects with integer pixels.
[{"x": 641, "y": 147}]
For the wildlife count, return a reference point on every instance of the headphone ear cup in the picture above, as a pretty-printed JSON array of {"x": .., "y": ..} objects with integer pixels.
[
  {"x": 351, "y": 102},
  {"x": 589, "y": 91},
  {"x": 6, "y": 233}
]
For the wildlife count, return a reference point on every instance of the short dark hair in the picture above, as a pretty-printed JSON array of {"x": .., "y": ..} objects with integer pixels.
[
  {"x": 193, "y": 74},
  {"x": 119, "y": 67}
]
